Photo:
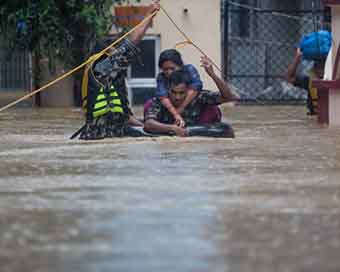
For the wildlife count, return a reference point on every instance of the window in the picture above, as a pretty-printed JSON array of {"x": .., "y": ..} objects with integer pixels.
[{"x": 142, "y": 73}]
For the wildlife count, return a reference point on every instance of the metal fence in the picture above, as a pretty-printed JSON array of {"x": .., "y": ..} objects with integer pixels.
[
  {"x": 14, "y": 71},
  {"x": 15, "y": 75},
  {"x": 261, "y": 43}
]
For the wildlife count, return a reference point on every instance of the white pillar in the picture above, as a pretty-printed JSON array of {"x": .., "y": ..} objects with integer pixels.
[{"x": 334, "y": 95}]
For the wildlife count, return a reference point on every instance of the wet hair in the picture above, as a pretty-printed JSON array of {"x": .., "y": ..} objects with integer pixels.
[
  {"x": 170, "y": 55},
  {"x": 179, "y": 77}
]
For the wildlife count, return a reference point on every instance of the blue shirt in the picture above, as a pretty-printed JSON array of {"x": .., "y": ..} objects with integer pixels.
[{"x": 195, "y": 83}]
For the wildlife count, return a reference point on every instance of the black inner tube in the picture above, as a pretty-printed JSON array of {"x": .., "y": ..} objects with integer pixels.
[{"x": 217, "y": 130}]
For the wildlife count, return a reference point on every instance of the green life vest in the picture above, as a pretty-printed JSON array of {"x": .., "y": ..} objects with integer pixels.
[{"x": 107, "y": 102}]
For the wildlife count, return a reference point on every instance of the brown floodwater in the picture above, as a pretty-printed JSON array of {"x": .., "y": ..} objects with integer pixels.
[{"x": 268, "y": 200}]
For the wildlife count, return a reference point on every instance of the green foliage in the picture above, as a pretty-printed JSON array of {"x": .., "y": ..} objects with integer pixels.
[{"x": 63, "y": 29}]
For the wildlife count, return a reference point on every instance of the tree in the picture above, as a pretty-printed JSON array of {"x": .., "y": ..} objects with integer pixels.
[{"x": 58, "y": 29}]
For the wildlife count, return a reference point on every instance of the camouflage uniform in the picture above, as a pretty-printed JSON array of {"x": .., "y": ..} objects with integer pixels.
[
  {"x": 106, "y": 104},
  {"x": 192, "y": 112}
]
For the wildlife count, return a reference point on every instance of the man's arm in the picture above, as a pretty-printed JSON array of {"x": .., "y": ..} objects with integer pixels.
[
  {"x": 152, "y": 125},
  {"x": 153, "y": 116},
  {"x": 191, "y": 95},
  {"x": 166, "y": 102},
  {"x": 139, "y": 33},
  {"x": 292, "y": 68},
  {"x": 225, "y": 92}
]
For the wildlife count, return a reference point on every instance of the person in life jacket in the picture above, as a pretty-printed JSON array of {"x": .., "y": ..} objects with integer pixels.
[
  {"x": 104, "y": 94},
  {"x": 305, "y": 81}
]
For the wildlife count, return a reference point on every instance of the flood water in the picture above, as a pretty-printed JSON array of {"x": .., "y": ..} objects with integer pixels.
[{"x": 268, "y": 200}]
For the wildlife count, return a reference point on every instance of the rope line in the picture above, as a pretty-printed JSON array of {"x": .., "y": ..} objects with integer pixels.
[
  {"x": 188, "y": 40},
  {"x": 89, "y": 60}
]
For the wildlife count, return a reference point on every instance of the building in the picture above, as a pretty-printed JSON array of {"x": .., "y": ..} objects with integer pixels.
[
  {"x": 253, "y": 41},
  {"x": 199, "y": 19}
]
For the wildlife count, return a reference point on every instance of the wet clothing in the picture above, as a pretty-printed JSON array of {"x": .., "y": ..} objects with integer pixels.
[
  {"x": 202, "y": 109},
  {"x": 192, "y": 112},
  {"x": 105, "y": 100},
  {"x": 304, "y": 82},
  {"x": 195, "y": 82},
  {"x": 209, "y": 115}
]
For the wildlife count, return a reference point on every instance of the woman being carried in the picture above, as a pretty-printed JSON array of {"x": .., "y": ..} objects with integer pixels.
[{"x": 170, "y": 60}]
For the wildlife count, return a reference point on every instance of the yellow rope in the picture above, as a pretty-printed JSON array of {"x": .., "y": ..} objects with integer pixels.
[
  {"x": 188, "y": 40},
  {"x": 95, "y": 57},
  {"x": 89, "y": 60},
  {"x": 182, "y": 44}
]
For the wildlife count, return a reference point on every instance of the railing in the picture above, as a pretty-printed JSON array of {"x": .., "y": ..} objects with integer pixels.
[
  {"x": 15, "y": 75},
  {"x": 261, "y": 43}
]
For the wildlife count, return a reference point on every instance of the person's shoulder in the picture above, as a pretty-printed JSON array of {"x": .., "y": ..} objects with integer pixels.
[
  {"x": 195, "y": 78},
  {"x": 189, "y": 67},
  {"x": 153, "y": 109},
  {"x": 202, "y": 95},
  {"x": 156, "y": 102},
  {"x": 206, "y": 97}
]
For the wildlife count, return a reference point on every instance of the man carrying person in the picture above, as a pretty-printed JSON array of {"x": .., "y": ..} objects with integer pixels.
[
  {"x": 304, "y": 81},
  {"x": 159, "y": 120},
  {"x": 313, "y": 47}
]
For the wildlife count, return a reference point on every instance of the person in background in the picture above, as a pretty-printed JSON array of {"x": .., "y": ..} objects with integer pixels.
[{"x": 305, "y": 81}]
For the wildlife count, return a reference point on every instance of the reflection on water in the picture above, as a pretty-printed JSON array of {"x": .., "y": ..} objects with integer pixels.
[{"x": 265, "y": 201}]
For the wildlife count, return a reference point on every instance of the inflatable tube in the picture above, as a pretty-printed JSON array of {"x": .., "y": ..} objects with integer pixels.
[
  {"x": 138, "y": 132},
  {"x": 217, "y": 130}
]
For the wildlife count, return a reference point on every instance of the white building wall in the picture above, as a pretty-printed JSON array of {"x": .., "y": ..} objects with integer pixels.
[{"x": 201, "y": 23}]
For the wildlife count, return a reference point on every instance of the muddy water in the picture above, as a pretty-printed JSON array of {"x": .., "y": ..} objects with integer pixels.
[{"x": 268, "y": 200}]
